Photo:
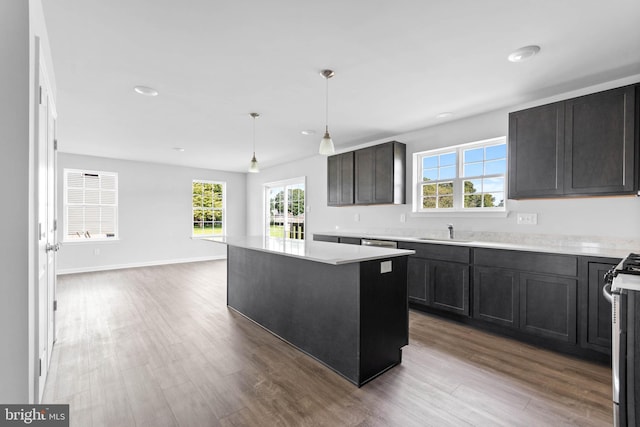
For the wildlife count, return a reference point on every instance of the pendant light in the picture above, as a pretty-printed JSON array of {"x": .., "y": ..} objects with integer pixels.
[
  {"x": 326, "y": 145},
  {"x": 253, "y": 166}
]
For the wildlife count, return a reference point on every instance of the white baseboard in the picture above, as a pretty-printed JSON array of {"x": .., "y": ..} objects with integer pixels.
[{"x": 136, "y": 264}]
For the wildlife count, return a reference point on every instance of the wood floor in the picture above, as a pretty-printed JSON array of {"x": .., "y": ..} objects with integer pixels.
[{"x": 158, "y": 347}]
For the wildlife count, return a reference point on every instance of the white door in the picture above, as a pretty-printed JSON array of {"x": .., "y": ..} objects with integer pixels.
[{"x": 47, "y": 245}]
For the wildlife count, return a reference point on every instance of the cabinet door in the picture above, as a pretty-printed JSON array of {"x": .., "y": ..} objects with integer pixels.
[
  {"x": 340, "y": 179},
  {"x": 536, "y": 151},
  {"x": 417, "y": 279},
  {"x": 548, "y": 306},
  {"x": 600, "y": 143},
  {"x": 496, "y": 296},
  {"x": 598, "y": 334},
  {"x": 448, "y": 286},
  {"x": 374, "y": 174}
]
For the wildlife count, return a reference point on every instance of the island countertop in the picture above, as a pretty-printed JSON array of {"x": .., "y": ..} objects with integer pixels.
[{"x": 325, "y": 252}]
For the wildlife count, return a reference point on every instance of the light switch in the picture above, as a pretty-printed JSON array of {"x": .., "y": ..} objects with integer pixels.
[{"x": 385, "y": 267}]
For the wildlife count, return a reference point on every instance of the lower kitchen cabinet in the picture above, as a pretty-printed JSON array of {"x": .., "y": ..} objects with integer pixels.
[
  {"x": 496, "y": 297},
  {"x": 438, "y": 277},
  {"x": 594, "y": 308},
  {"x": 534, "y": 293},
  {"x": 548, "y": 306}
]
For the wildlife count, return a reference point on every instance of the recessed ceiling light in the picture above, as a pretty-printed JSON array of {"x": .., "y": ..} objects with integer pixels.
[
  {"x": 524, "y": 53},
  {"x": 444, "y": 115},
  {"x": 308, "y": 132},
  {"x": 179, "y": 149},
  {"x": 147, "y": 91}
]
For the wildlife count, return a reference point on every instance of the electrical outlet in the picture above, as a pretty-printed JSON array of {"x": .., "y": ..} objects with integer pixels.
[
  {"x": 356, "y": 217},
  {"x": 96, "y": 251},
  {"x": 403, "y": 217},
  {"x": 527, "y": 218}
]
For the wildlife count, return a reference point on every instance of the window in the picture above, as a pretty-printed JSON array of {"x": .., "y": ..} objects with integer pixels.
[
  {"x": 469, "y": 177},
  {"x": 285, "y": 209},
  {"x": 90, "y": 205},
  {"x": 208, "y": 208}
]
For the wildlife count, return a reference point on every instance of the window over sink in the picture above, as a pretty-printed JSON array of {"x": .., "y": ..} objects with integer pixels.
[{"x": 463, "y": 178}]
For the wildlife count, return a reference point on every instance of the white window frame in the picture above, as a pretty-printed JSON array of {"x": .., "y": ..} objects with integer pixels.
[
  {"x": 87, "y": 237},
  {"x": 458, "y": 208},
  {"x": 266, "y": 214},
  {"x": 224, "y": 209}
]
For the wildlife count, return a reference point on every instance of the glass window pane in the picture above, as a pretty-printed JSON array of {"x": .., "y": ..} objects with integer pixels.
[
  {"x": 197, "y": 227},
  {"x": 473, "y": 186},
  {"x": 493, "y": 200},
  {"x": 448, "y": 172},
  {"x": 473, "y": 169},
  {"x": 445, "y": 202},
  {"x": 473, "y": 201},
  {"x": 217, "y": 228},
  {"x": 493, "y": 184},
  {"x": 429, "y": 202},
  {"x": 429, "y": 162},
  {"x": 495, "y": 167},
  {"x": 198, "y": 215},
  {"x": 447, "y": 159},
  {"x": 429, "y": 174},
  {"x": 445, "y": 188},
  {"x": 496, "y": 152},
  {"x": 473, "y": 155},
  {"x": 429, "y": 190}
]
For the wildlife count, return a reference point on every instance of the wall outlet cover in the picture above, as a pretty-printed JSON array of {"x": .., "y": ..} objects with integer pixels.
[
  {"x": 527, "y": 218},
  {"x": 385, "y": 267}
]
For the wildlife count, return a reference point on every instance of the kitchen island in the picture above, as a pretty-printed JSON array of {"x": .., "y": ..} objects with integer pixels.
[{"x": 346, "y": 306}]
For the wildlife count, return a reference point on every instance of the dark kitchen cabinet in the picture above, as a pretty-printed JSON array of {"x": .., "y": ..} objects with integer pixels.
[
  {"x": 536, "y": 152},
  {"x": 326, "y": 238},
  {"x": 379, "y": 174},
  {"x": 350, "y": 240},
  {"x": 438, "y": 276},
  {"x": 535, "y": 293},
  {"x": 496, "y": 296},
  {"x": 600, "y": 148},
  {"x": 548, "y": 306},
  {"x": 340, "y": 179},
  {"x": 594, "y": 308},
  {"x": 578, "y": 147}
]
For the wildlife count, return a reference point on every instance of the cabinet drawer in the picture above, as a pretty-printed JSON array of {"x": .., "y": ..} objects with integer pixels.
[
  {"x": 438, "y": 252},
  {"x": 564, "y": 265},
  {"x": 325, "y": 238}
]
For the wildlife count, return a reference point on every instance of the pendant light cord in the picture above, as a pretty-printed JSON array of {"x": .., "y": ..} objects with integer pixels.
[
  {"x": 254, "y": 136},
  {"x": 327, "y": 106}
]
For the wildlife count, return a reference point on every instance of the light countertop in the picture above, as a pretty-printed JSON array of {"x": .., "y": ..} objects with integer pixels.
[
  {"x": 325, "y": 252},
  {"x": 556, "y": 246}
]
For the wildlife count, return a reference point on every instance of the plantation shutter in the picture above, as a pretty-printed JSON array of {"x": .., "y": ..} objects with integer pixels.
[{"x": 91, "y": 201}]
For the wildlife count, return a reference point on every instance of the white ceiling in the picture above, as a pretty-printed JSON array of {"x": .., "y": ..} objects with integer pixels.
[{"x": 398, "y": 64}]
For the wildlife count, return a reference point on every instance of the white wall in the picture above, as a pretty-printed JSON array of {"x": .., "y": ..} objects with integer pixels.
[
  {"x": 597, "y": 219},
  {"x": 145, "y": 238},
  {"x": 21, "y": 22},
  {"x": 14, "y": 187}
]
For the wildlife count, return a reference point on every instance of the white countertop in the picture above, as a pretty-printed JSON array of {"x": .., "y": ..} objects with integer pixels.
[
  {"x": 553, "y": 247},
  {"x": 325, "y": 252}
]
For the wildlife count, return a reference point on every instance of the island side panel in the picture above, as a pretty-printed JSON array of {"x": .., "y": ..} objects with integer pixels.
[
  {"x": 312, "y": 305},
  {"x": 384, "y": 315}
]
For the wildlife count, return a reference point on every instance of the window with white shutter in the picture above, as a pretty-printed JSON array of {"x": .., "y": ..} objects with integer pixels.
[{"x": 90, "y": 205}]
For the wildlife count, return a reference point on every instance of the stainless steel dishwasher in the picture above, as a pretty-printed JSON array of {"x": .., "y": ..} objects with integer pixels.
[{"x": 380, "y": 243}]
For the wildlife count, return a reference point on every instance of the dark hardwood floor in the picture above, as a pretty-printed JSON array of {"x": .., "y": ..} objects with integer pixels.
[{"x": 158, "y": 346}]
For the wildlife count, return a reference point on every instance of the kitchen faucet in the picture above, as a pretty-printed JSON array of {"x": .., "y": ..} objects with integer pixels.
[{"x": 450, "y": 227}]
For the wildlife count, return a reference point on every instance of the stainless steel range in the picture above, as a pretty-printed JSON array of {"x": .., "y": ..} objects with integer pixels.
[{"x": 622, "y": 289}]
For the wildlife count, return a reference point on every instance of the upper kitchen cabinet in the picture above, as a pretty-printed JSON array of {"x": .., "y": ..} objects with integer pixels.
[
  {"x": 600, "y": 149},
  {"x": 340, "y": 179},
  {"x": 380, "y": 174},
  {"x": 536, "y": 154},
  {"x": 578, "y": 147},
  {"x": 369, "y": 176}
]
